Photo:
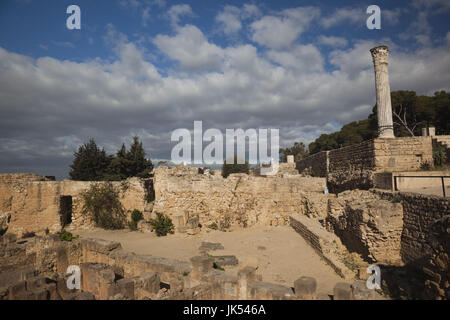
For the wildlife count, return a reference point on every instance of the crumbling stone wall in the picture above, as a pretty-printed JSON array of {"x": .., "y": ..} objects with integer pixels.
[
  {"x": 420, "y": 212},
  {"x": 35, "y": 269},
  {"x": 35, "y": 205},
  {"x": 354, "y": 167},
  {"x": 316, "y": 164},
  {"x": 368, "y": 225},
  {"x": 239, "y": 200}
]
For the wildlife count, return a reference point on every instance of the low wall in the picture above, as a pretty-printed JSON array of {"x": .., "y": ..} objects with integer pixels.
[
  {"x": 315, "y": 165},
  {"x": 385, "y": 180},
  {"x": 35, "y": 205},
  {"x": 239, "y": 200},
  {"x": 356, "y": 166}
]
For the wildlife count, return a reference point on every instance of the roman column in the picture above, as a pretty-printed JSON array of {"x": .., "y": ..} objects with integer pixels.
[{"x": 380, "y": 57}]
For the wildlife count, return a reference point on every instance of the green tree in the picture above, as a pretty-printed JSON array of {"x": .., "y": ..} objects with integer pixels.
[
  {"x": 232, "y": 166},
  {"x": 90, "y": 163},
  {"x": 298, "y": 150},
  {"x": 137, "y": 164},
  {"x": 410, "y": 114}
]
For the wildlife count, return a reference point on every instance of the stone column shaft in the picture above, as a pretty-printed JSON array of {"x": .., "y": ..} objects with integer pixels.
[{"x": 380, "y": 57}]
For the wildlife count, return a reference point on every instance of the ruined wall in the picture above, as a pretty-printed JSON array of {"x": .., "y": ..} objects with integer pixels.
[
  {"x": 368, "y": 225},
  {"x": 354, "y": 167},
  {"x": 238, "y": 200},
  {"x": 21, "y": 177},
  {"x": 35, "y": 205},
  {"x": 315, "y": 165},
  {"x": 420, "y": 212},
  {"x": 402, "y": 154}
]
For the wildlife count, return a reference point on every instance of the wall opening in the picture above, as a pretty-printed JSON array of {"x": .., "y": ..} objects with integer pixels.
[{"x": 65, "y": 210}]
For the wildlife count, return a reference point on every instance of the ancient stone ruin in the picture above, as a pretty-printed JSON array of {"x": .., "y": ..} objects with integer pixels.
[{"x": 344, "y": 203}]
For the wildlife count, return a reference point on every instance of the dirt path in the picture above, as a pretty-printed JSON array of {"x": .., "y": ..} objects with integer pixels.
[{"x": 281, "y": 254}]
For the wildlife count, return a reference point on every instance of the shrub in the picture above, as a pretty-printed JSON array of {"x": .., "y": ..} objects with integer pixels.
[
  {"x": 426, "y": 166},
  {"x": 232, "y": 166},
  {"x": 67, "y": 236},
  {"x": 162, "y": 224},
  {"x": 136, "y": 216},
  {"x": 218, "y": 267},
  {"x": 439, "y": 156},
  {"x": 101, "y": 202}
]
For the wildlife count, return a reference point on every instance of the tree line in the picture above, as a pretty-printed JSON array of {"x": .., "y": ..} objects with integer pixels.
[
  {"x": 410, "y": 114},
  {"x": 93, "y": 164}
]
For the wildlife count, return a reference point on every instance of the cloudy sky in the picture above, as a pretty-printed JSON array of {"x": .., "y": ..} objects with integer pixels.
[{"x": 149, "y": 67}]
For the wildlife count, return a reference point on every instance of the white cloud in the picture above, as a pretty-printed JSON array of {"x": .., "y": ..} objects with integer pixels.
[
  {"x": 231, "y": 17},
  {"x": 230, "y": 20},
  {"x": 332, "y": 41},
  {"x": 302, "y": 58},
  {"x": 191, "y": 48},
  {"x": 175, "y": 13},
  {"x": 49, "y": 106},
  {"x": 282, "y": 29},
  {"x": 345, "y": 15}
]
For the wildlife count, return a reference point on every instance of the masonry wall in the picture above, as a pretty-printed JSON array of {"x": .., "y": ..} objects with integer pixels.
[
  {"x": 425, "y": 240},
  {"x": 354, "y": 167},
  {"x": 316, "y": 164},
  {"x": 239, "y": 199},
  {"x": 35, "y": 205},
  {"x": 402, "y": 154}
]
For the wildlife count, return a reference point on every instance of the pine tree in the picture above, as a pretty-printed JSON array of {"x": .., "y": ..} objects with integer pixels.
[
  {"x": 138, "y": 164},
  {"x": 90, "y": 163}
]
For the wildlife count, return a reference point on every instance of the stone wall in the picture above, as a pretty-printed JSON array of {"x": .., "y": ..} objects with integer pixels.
[
  {"x": 315, "y": 165},
  {"x": 21, "y": 177},
  {"x": 368, "y": 225},
  {"x": 239, "y": 200},
  {"x": 35, "y": 269},
  {"x": 402, "y": 154},
  {"x": 354, "y": 167},
  {"x": 35, "y": 205}
]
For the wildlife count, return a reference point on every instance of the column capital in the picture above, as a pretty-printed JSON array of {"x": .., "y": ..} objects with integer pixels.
[{"x": 380, "y": 54}]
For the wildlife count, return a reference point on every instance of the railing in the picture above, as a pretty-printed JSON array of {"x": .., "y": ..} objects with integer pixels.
[{"x": 439, "y": 177}]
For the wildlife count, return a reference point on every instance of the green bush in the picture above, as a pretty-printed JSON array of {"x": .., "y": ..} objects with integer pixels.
[
  {"x": 439, "y": 156},
  {"x": 162, "y": 224},
  {"x": 67, "y": 236},
  {"x": 232, "y": 166},
  {"x": 101, "y": 202},
  {"x": 136, "y": 216}
]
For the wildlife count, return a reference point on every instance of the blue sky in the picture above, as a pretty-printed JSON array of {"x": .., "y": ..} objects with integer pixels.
[{"x": 148, "y": 67}]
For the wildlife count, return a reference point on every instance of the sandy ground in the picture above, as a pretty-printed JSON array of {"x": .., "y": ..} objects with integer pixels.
[{"x": 281, "y": 254}]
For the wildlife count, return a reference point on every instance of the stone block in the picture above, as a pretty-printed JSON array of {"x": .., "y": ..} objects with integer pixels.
[
  {"x": 147, "y": 282},
  {"x": 17, "y": 290},
  {"x": 126, "y": 288},
  {"x": 361, "y": 292},
  {"x": 342, "y": 291},
  {"x": 98, "y": 279},
  {"x": 100, "y": 245},
  {"x": 305, "y": 287},
  {"x": 268, "y": 291},
  {"x": 144, "y": 226},
  {"x": 226, "y": 260},
  {"x": 210, "y": 246},
  {"x": 201, "y": 265}
]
